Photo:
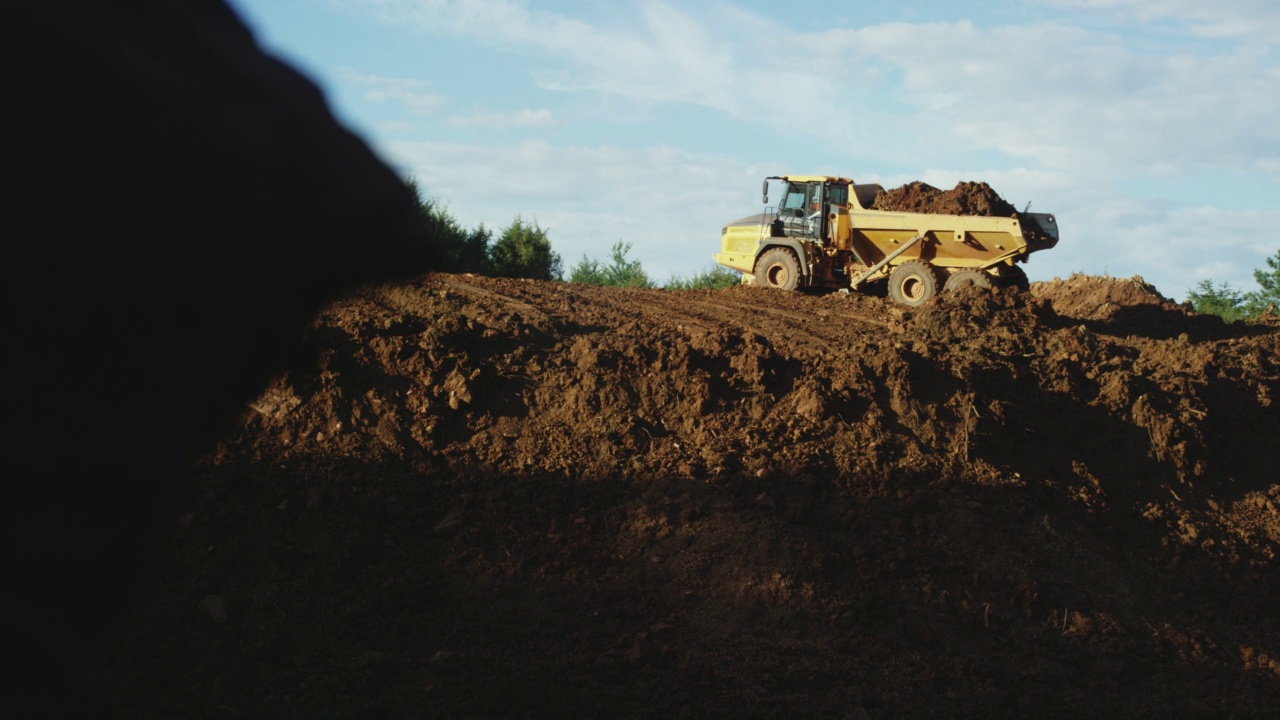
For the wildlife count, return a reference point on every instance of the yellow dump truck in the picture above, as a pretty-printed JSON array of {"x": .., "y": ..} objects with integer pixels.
[{"x": 824, "y": 234}]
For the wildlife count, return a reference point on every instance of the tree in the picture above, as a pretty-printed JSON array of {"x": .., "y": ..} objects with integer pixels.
[
  {"x": 588, "y": 272},
  {"x": 1222, "y": 301},
  {"x": 1230, "y": 304},
  {"x": 524, "y": 251},
  {"x": 621, "y": 273},
  {"x": 456, "y": 250},
  {"x": 473, "y": 253},
  {"x": 1268, "y": 298},
  {"x": 717, "y": 278}
]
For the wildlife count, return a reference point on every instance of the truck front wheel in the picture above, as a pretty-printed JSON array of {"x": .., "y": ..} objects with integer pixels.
[
  {"x": 913, "y": 283},
  {"x": 778, "y": 268}
]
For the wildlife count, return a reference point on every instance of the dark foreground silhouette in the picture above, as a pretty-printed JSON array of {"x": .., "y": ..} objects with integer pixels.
[{"x": 183, "y": 202}]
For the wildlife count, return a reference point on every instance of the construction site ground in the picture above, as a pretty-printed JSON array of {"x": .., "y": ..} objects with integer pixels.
[{"x": 497, "y": 498}]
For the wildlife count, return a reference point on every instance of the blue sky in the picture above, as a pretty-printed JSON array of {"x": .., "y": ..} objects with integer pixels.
[{"x": 1151, "y": 128}]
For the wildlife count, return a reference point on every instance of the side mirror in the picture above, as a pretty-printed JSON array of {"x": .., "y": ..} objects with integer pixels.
[{"x": 764, "y": 192}]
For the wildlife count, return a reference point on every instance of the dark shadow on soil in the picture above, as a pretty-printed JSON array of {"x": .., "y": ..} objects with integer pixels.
[
  {"x": 1164, "y": 323},
  {"x": 358, "y": 590}
]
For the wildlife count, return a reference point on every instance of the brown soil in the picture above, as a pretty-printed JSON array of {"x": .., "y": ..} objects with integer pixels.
[
  {"x": 515, "y": 499},
  {"x": 966, "y": 198}
]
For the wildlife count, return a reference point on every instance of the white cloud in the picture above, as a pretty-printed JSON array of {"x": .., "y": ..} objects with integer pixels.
[
  {"x": 1253, "y": 20},
  {"x": 504, "y": 121},
  {"x": 394, "y": 127},
  {"x": 414, "y": 95},
  {"x": 1173, "y": 246},
  {"x": 1065, "y": 98},
  {"x": 670, "y": 204},
  {"x": 667, "y": 56},
  {"x": 1050, "y": 94}
]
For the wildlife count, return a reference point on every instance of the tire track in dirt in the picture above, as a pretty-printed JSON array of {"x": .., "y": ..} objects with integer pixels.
[
  {"x": 478, "y": 291},
  {"x": 675, "y": 309},
  {"x": 666, "y": 314}
]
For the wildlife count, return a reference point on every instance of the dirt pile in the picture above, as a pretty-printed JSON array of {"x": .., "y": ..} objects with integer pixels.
[
  {"x": 966, "y": 198},
  {"x": 500, "y": 498},
  {"x": 1090, "y": 297}
]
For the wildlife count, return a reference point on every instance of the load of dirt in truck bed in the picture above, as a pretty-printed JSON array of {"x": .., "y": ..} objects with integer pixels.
[
  {"x": 495, "y": 498},
  {"x": 966, "y": 198}
]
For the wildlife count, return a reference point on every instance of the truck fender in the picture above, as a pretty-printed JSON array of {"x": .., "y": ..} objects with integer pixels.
[{"x": 806, "y": 265}]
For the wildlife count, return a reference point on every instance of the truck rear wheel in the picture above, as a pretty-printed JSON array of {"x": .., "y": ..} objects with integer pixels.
[
  {"x": 778, "y": 268},
  {"x": 965, "y": 278},
  {"x": 913, "y": 283},
  {"x": 1015, "y": 277}
]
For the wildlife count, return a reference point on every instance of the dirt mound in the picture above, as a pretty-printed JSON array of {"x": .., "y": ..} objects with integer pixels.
[
  {"x": 1091, "y": 297},
  {"x": 966, "y": 198},
  {"x": 501, "y": 498},
  {"x": 1130, "y": 306}
]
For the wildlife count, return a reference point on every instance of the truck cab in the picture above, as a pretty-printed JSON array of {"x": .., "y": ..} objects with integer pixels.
[
  {"x": 800, "y": 211},
  {"x": 795, "y": 238}
]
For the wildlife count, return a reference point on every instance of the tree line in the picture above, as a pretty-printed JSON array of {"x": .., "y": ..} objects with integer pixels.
[
  {"x": 1230, "y": 304},
  {"x": 523, "y": 250}
]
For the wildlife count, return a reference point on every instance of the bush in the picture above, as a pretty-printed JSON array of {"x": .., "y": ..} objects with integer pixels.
[
  {"x": 1232, "y": 305},
  {"x": 1222, "y": 301},
  {"x": 524, "y": 251},
  {"x": 716, "y": 278},
  {"x": 1268, "y": 298},
  {"x": 455, "y": 249},
  {"x": 620, "y": 273}
]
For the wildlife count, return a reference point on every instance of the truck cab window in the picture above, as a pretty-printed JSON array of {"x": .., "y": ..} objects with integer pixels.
[
  {"x": 838, "y": 195},
  {"x": 794, "y": 202}
]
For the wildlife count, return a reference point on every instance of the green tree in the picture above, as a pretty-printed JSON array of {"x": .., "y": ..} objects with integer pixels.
[
  {"x": 1268, "y": 298},
  {"x": 1221, "y": 300},
  {"x": 523, "y": 250},
  {"x": 473, "y": 253},
  {"x": 716, "y": 278},
  {"x": 621, "y": 272},
  {"x": 456, "y": 249},
  {"x": 588, "y": 272},
  {"x": 1232, "y": 305}
]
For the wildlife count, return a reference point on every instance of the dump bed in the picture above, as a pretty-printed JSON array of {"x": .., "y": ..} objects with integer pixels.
[{"x": 945, "y": 241}]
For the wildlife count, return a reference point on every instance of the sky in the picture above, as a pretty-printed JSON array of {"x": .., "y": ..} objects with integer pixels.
[{"x": 1149, "y": 128}]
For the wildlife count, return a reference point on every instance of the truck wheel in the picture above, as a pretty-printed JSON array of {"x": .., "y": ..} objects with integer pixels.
[
  {"x": 913, "y": 283},
  {"x": 966, "y": 278},
  {"x": 778, "y": 268},
  {"x": 1015, "y": 277}
]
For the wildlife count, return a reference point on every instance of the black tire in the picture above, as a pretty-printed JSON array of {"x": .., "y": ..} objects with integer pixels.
[
  {"x": 778, "y": 268},
  {"x": 965, "y": 278},
  {"x": 1014, "y": 277},
  {"x": 913, "y": 283}
]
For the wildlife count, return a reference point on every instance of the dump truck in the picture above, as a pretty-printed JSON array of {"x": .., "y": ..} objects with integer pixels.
[{"x": 823, "y": 233}]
